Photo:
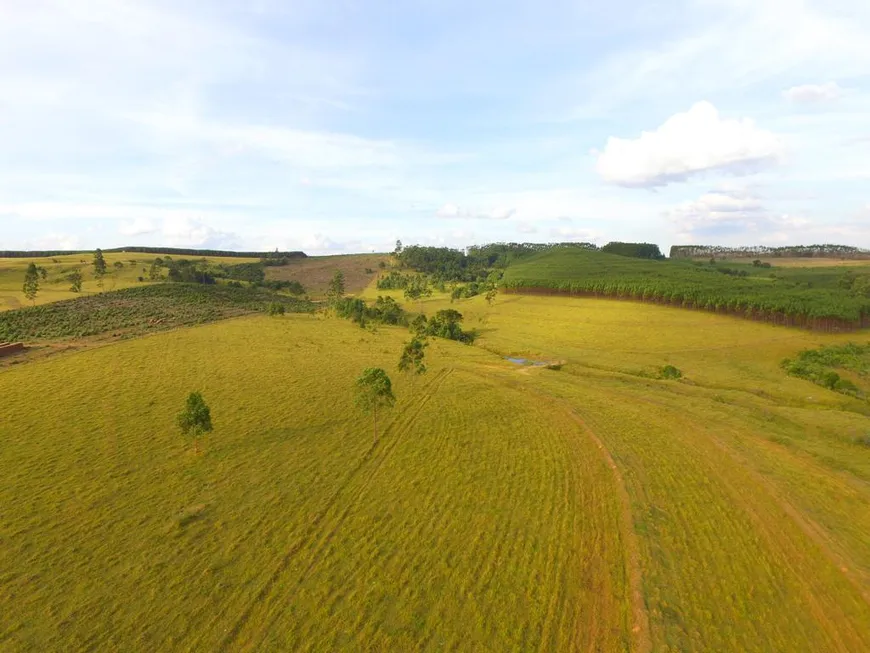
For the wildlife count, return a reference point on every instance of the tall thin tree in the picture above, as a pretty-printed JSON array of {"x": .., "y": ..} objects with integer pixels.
[
  {"x": 374, "y": 390},
  {"x": 31, "y": 282}
]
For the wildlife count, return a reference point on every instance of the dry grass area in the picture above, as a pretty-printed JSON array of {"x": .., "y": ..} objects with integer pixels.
[
  {"x": 315, "y": 272},
  {"x": 501, "y": 508}
]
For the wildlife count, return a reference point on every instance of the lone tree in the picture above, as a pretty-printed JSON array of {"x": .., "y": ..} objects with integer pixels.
[
  {"x": 195, "y": 420},
  {"x": 99, "y": 267},
  {"x": 490, "y": 296},
  {"x": 412, "y": 356},
  {"x": 336, "y": 287},
  {"x": 31, "y": 282},
  {"x": 75, "y": 280},
  {"x": 374, "y": 390}
]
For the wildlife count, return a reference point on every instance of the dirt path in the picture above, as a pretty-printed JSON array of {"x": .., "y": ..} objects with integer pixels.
[{"x": 640, "y": 629}]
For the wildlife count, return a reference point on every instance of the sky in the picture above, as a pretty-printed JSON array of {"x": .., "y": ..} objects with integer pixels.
[{"x": 336, "y": 126}]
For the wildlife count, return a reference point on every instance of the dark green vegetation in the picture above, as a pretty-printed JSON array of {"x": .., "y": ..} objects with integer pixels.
[
  {"x": 195, "y": 420},
  {"x": 475, "y": 264},
  {"x": 139, "y": 310},
  {"x": 634, "y": 250},
  {"x": 811, "y": 297},
  {"x": 798, "y": 251},
  {"x": 829, "y": 366},
  {"x": 446, "y": 323}
]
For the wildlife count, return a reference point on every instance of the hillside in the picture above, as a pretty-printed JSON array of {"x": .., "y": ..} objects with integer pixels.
[
  {"x": 501, "y": 507},
  {"x": 125, "y": 270},
  {"x": 315, "y": 272},
  {"x": 790, "y": 296}
]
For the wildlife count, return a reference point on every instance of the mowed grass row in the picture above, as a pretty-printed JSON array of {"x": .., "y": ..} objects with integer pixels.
[
  {"x": 749, "y": 492},
  {"x": 480, "y": 518},
  {"x": 56, "y": 287}
]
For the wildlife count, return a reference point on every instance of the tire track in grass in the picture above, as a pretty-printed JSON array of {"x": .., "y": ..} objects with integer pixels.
[
  {"x": 640, "y": 631},
  {"x": 399, "y": 424},
  {"x": 776, "y": 538},
  {"x": 812, "y": 529}
]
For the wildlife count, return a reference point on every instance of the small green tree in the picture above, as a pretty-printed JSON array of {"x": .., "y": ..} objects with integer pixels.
[
  {"x": 276, "y": 309},
  {"x": 412, "y": 356},
  {"x": 374, "y": 390},
  {"x": 75, "y": 280},
  {"x": 31, "y": 282},
  {"x": 43, "y": 273},
  {"x": 195, "y": 420},
  {"x": 335, "y": 292},
  {"x": 99, "y": 267},
  {"x": 490, "y": 296}
]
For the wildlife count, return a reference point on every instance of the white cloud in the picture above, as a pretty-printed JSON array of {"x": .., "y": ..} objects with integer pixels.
[
  {"x": 725, "y": 216},
  {"x": 137, "y": 227},
  {"x": 453, "y": 211},
  {"x": 687, "y": 144},
  {"x": 192, "y": 232},
  {"x": 813, "y": 93}
]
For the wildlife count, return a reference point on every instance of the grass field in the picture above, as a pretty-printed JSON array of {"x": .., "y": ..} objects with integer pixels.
[
  {"x": 56, "y": 287},
  {"x": 502, "y": 508}
]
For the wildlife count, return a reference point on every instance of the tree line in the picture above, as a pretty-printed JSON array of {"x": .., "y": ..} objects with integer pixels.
[{"x": 792, "y": 251}]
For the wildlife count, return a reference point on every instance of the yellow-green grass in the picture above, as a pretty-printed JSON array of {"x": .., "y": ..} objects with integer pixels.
[
  {"x": 315, "y": 272},
  {"x": 56, "y": 287},
  {"x": 480, "y": 519},
  {"x": 749, "y": 491},
  {"x": 502, "y": 508}
]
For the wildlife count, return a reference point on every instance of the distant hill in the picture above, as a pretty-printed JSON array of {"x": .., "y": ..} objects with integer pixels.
[
  {"x": 787, "y": 296},
  {"x": 165, "y": 251}
]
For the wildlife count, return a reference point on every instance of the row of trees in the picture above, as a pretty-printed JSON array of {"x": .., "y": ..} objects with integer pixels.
[{"x": 793, "y": 251}]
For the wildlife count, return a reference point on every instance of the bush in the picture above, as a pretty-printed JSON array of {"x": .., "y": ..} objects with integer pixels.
[
  {"x": 670, "y": 372},
  {"x": 276, "y": 309}
]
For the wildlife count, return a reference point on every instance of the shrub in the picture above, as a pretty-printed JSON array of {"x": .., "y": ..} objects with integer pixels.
[
  {"x": 277, "y": 308},
  {"x": 670, "y": 372}
]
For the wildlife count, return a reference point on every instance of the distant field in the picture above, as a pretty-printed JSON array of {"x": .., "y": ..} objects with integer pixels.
[
  {"x": 56, "y": 287},
  {"x": 503, "y": 508},
  {"x": 315, "y": 272},
  {"x": 800, "y": 262}
]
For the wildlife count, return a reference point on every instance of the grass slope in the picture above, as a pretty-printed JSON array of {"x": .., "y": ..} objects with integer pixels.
[
  {"x": 138, "y": 310},
  {"x": 315, "y": 272},
  {"x": 503, "y": 507},
  {"x": 792, "y": 296},
  {"x": 56, "y": 287},
  {"x": 476, "y": 521}
]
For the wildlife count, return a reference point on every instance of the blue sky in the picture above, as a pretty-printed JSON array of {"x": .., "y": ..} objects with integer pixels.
[{"x": 343, "y": 126}]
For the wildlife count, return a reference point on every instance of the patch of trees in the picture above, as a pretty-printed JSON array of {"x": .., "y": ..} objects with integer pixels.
[
  {"x": 795, "y": 251},
  {"x": 634, "y": 250},
  {"x": 394, "y": 281},
  {"x": 186, "y": 271},
  {"x": 444, "y": 264},
  {"x": 251, "y": 272},
  {"x": 819, "y": 366},
  {"x": 385, "y": 310}
]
